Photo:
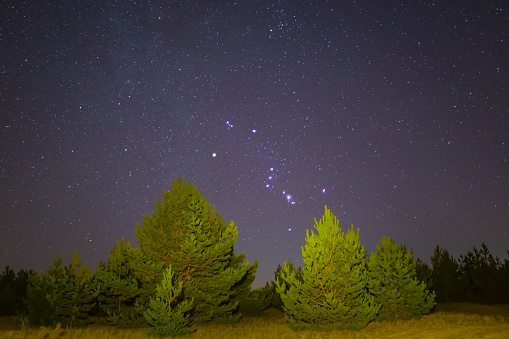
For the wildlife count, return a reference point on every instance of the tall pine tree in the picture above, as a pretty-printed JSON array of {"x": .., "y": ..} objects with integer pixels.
[
  {"x": 332, "y": 293},
  {"x": 187, "y": 233},
  {"x": 395, "y": 285},
  {"x": 445, "y": 277}
]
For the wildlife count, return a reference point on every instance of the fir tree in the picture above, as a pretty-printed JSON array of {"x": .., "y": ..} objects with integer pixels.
[
  {"x": 169, "y": 313},
  {"x": 186, "y": 233},
  {"x": 332, "y": 293},
  {"x": 394, "y": 283}
]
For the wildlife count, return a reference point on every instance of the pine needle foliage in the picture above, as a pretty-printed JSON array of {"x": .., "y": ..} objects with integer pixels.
[
  {"x": 480, "y": 273},
  {"x": 64, "y": 294},
  {"x": 445, "y": 277},
  {"x": 332, "y": 293},
  {"x": 394, "y": 283},
  {"x": 73, "y": 295},
  {"x": 187, "y": 233},
  {"x": 256, "y": 301},
  {"x": 120, "y": 289},
  {"x": 169, "y": 313},
  {"x": 276, "y": 298}
]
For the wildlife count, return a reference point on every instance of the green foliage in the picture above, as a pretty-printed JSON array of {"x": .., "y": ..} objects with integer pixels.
[
  {"x": 13, "y": 287},
  {"x": 332, "y": 293},
  {"x": 186, "y": 233},
  {"x": 482, "y": 275},
  {"x": 64, "y": 295},
  {"x": 395, "y": 285},
  {"x": 445, "y": 277},
  {"x": 477, "y": 277},
  {"x": 504, "y": 280},
  {"x": 37, "y": 309},
  {"x": 276, "y": 298},
  {"x": 169, "y": 313},
  {"x": 251, "y": 302},
  {"x": 256, "y": 301},
  {"x": 120, "y": 290},
  {"x": 72, "y": 293},
  {"x": 424, "y": 273}
]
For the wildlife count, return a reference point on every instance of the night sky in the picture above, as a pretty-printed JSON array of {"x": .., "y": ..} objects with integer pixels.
[{"x": 395, "y": 116}]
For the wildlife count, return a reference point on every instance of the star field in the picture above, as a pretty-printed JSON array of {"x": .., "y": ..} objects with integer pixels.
[{"x": 395, "y": 116}]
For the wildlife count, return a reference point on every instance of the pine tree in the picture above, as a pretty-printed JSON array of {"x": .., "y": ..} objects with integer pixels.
[
  {"x": 445, "y": 277},
  {"x": 37, "y": 309},
  {"x": 63, "y": 295},
  {"x": 186, "y": 233},
  {"x": 251, "y": 302},
  {"x": 276, "y": 298},
  {"x": 72, "y": 294},
  {"x": 169, "y": 313},
  {"x": 332, "y": 293},
  {"x": 12, "y": 289},
  {"x": 424, "y": 273},
  {"x": 504, "y": 280},
  {"x": 120, "y": 290},
  {"x": 394, "y": 283},
  {"x": 480, "y": 272},
  {"x": 256, "y": 301}
]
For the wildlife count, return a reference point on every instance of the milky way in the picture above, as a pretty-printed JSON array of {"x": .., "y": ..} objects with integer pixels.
[{"x": 394, "y": 116}]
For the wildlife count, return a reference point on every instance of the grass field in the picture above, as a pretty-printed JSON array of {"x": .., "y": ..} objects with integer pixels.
[{"x": 447, "y": 321}]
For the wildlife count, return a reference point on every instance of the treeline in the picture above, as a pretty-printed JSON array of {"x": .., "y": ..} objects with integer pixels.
[
  {"x": 477, "y": 277},
  {"x": 186, "y": 273}
]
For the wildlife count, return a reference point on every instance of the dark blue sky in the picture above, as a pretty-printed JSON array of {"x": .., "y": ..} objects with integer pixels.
[{"x": 395, "y": 116}]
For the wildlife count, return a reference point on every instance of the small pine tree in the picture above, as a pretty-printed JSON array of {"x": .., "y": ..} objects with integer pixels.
[
  {"x": 73, "y": 295},
  {"x": 169, "y": 313},
  {"x": 276, "y": 298},
  {"x": 394, "y": 283},
  {"x": 332, "y": 293},
  {"x": 37, "y": 309},
  {"x": 119, "y": 288},
  {"x": 64, "y": 295}
]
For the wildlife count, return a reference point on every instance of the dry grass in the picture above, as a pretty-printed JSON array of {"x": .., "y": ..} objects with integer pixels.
[{"x": 448, "y": 321}]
